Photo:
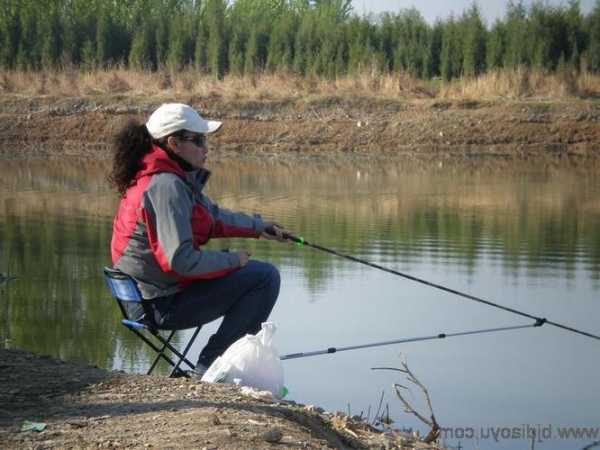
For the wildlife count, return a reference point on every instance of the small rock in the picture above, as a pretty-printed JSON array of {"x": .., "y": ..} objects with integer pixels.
[
  {"x": 273, "y": 435},
  {"x": 77, "y": 424},
  {"x": 216, "y": 420}
]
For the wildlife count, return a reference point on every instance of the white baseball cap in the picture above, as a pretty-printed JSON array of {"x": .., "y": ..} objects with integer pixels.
[{"x": 172, "y": 117}]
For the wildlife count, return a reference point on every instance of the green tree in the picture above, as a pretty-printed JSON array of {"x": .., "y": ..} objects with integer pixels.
[
  {"x": 341, "y": 55},
  {"x": 304, "y": 45},
  {"x": 52, "y": 40},
  {"x": 72, "y": 39},
  {"x": 28, "y": 57},
  {"x": 496, "y": 45},
  {"x": 280, "y": 54},
  {"x": 412, "y": 42},
  {"x": 251, "y": 60},
  {"x": 217, "y": 45},
  {"x": 329, "y": 17},
  {"x": 88, "y": 56},
  {"x": 142, "y": 52},
  {"x": 105, "y": 32},
  {"x": 201, "y": 47},
  {"x": 360, "y": 45},
  {"x": 517, "y": 33},
  {"x": 433, "y": 61},
  {"x": 10, "y": 32},
  {"x": 339, "y": 9},
  {"x": 178, "y": 37},
  {"x": 451, "y": 57},
  {"x": 575, "y": 32},
  {"x": 162, "y": 39},
  {"x": 474, "y": 37},
  {"x": 236, "y": 53},
  {"x": 594, "y": 38}
]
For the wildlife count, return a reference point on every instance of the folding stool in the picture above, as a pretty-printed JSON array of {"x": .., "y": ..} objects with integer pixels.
[{"x": 125, "y": 291}]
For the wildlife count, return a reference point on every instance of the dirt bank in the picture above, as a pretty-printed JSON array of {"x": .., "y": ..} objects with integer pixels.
[
  {"x": 87, "y": 407},
  {"x": 566, "y": 132}
]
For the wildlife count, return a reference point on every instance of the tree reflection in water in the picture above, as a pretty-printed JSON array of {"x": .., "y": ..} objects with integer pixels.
[{"x": 55, "y": 220}]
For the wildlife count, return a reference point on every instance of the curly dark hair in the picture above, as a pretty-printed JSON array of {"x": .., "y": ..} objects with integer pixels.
[{"x": 129, "y": 146}]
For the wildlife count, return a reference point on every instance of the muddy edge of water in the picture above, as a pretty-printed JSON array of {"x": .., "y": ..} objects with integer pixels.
[
  {"x": 86, "y": 407},
  {"x": 430, "y": 131}
]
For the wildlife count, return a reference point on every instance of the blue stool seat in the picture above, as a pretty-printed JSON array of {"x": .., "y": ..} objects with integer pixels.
[{"x": 127, "y": 295}]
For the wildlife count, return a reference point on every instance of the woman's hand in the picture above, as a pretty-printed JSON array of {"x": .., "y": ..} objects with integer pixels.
[
  {"x": 275, "y": 231},
  {"x": 244, "y": 256}
]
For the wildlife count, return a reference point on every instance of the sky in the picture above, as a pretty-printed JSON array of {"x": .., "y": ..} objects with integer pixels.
[{"x": 432, "y": 9}]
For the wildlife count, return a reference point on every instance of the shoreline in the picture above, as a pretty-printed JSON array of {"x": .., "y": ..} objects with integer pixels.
[
  {"x": 87, "y": 407},
  {"x": 561, "y": 132}
]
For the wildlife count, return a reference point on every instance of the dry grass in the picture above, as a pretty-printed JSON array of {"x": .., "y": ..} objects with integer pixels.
[
  {"x": 523, "y": 83},
  {"x": 519, "y": 83}
]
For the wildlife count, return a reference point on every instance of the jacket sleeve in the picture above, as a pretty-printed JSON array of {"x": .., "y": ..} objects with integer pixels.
[
  {"x": 167, "y": 210},
  {"x": 234, "y": 224}
]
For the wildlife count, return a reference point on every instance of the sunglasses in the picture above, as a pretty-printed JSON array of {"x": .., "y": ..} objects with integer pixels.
[{"x": 197, "y": 139}]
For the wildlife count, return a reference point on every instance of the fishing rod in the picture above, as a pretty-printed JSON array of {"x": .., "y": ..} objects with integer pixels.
[
  {"x": 538, "y": 323},
  {"x": 303, "y": 242}
]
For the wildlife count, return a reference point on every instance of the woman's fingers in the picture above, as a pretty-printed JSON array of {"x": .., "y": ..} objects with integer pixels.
[{"x": 275, "y": 231}]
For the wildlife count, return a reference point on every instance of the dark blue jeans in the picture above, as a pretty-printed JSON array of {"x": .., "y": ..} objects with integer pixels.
[{"x": 244, "y": 298}]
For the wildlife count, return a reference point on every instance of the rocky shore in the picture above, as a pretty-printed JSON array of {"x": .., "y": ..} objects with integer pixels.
[
  {"x": 87, "y": 407},
  {"x": 560, "y": 132}
]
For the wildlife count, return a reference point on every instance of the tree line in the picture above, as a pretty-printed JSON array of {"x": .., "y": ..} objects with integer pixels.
[{"x": 306, "y": 37}]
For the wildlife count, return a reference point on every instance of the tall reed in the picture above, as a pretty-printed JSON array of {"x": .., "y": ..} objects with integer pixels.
[{"x": 513, "y": 84}]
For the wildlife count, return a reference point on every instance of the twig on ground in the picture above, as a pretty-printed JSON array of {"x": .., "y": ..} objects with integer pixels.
[
  {"x": 434, "y": 433},
  {"x": 376, "y": 416}
]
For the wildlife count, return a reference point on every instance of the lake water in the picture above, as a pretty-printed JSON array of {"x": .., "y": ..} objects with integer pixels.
[{"x": 525, "y": 238}]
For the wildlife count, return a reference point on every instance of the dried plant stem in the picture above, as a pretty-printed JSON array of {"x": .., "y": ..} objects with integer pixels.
[
  {"x": 431, "y": 422},
  {"x": 376, "y": 416}
]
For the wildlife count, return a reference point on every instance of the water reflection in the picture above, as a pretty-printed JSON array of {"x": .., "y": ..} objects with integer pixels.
[{"x": 525, "y": 237}]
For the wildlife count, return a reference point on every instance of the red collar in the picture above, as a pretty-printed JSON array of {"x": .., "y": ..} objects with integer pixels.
[{"x": 157, "y": 161}]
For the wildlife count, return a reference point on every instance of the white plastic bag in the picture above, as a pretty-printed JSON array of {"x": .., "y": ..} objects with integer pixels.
[{"x": 252, "y": 361}]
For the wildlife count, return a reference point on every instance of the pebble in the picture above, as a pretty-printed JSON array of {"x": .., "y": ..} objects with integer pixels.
[
  {"x": 313, "y": 408},
  {"x": 274, "y": 435},
  {"x": 77, "y": 424},
  {"x": 256, "y": 422}
]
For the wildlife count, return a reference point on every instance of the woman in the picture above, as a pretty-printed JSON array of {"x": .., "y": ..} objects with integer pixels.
[{"x": 162, "y": 222}]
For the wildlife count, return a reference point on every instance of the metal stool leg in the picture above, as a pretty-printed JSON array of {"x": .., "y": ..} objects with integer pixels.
[
  {"x": 160, "y": 353},
  {"x": 185, "y": 351},
  {"x": 177, "y": 353},
  {"x": 152, "y": 345}
]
